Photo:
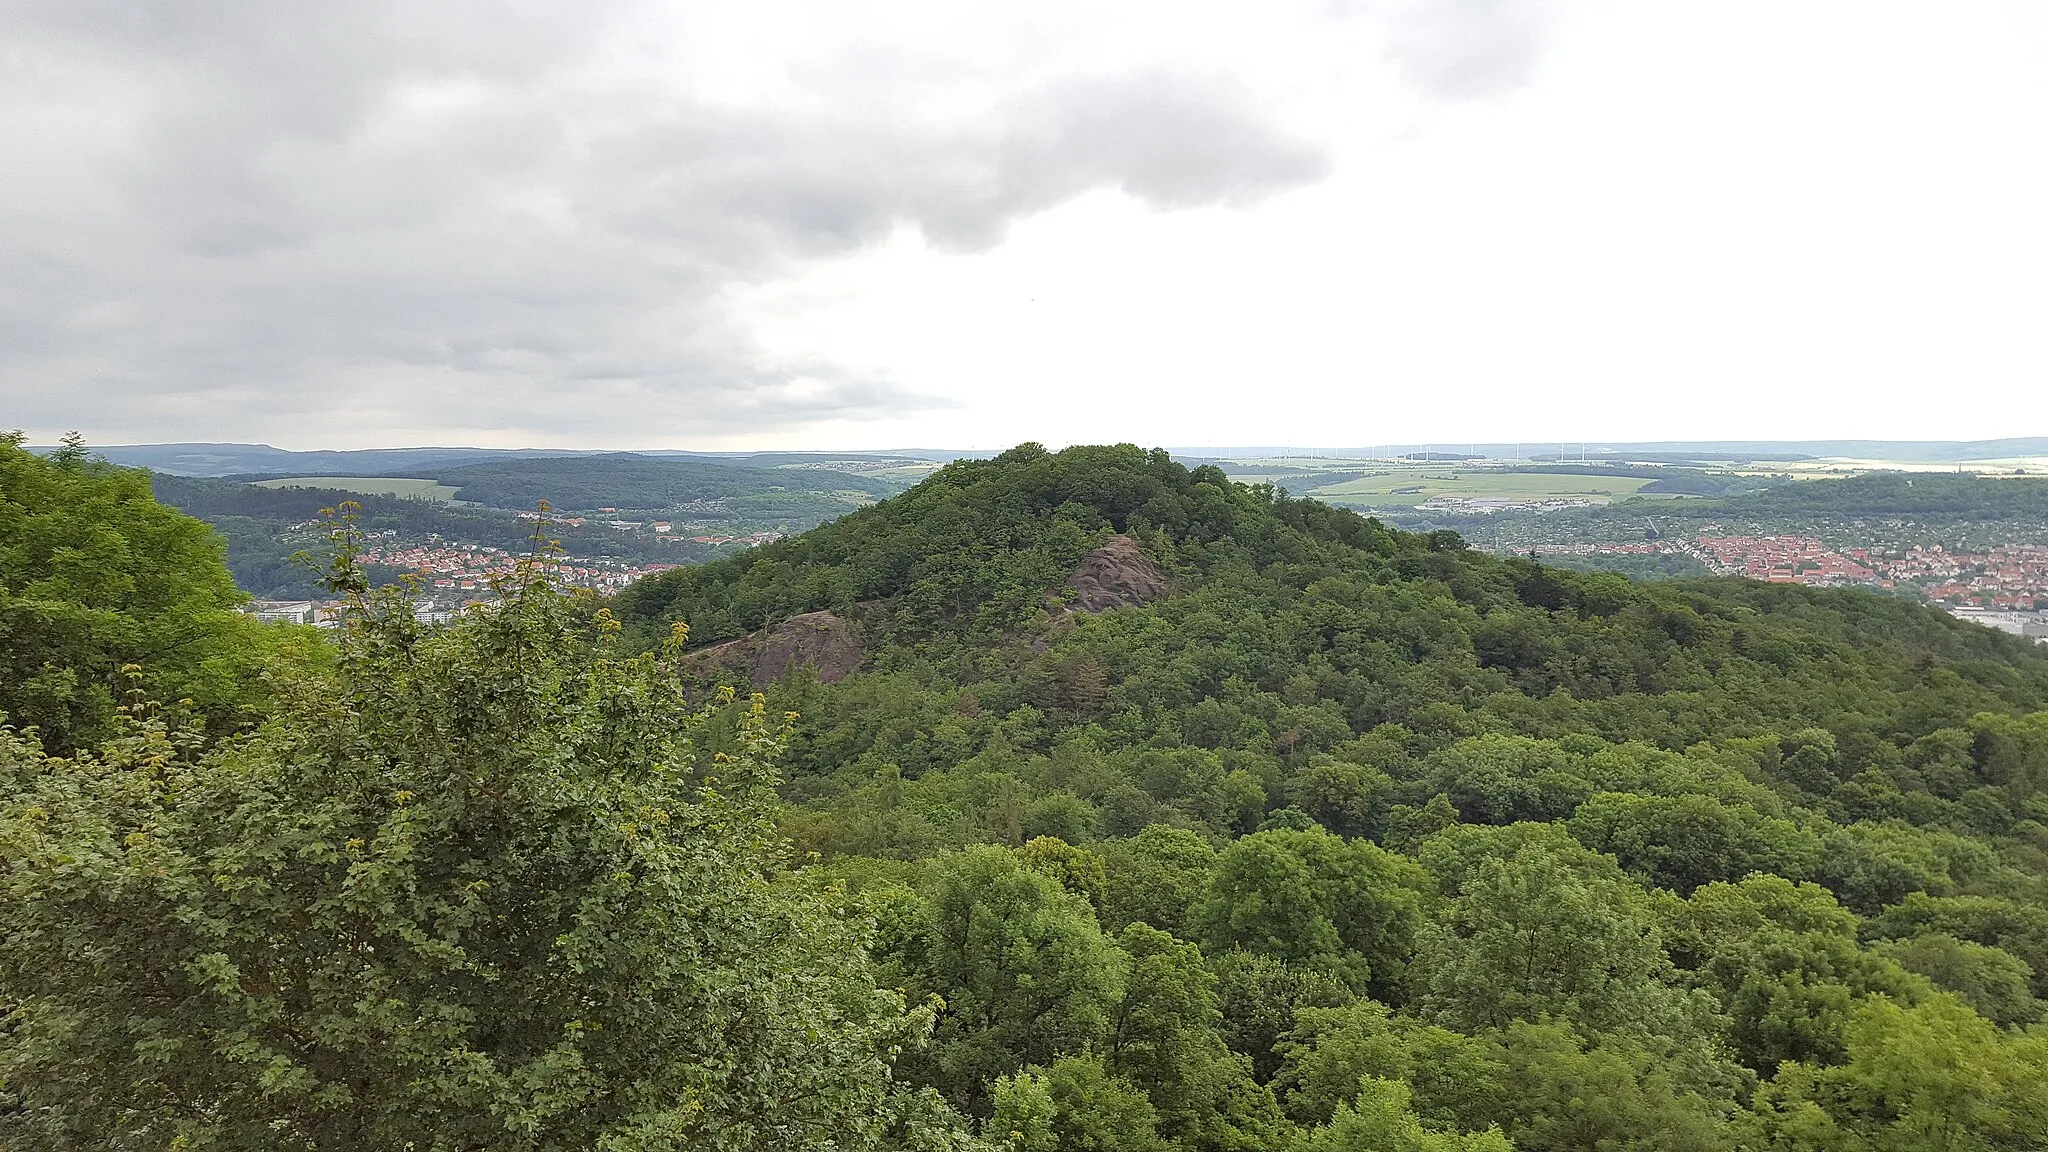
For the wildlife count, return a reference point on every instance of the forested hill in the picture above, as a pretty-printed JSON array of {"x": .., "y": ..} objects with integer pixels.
[
  {"x": 1596, "y": 863},
  {"x": 1385, "y": 626}
]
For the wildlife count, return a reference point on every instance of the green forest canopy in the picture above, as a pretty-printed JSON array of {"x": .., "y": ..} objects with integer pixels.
[{"x": 1357, "y": 839}]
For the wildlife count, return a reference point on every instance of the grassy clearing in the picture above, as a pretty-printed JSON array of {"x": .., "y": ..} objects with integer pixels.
[{"x": 368, "y": 486}]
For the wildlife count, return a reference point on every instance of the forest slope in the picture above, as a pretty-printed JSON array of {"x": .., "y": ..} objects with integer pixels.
[
  {"x": 1372, "y": 804},
  {"x": 1151, "y": 812}
]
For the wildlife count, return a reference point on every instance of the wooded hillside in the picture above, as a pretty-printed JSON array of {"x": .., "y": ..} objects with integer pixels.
[{"x": 1141, "y": 810}]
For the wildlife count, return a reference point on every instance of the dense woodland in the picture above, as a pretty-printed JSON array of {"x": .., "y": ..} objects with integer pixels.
[{"x": 1355, "y": 839}]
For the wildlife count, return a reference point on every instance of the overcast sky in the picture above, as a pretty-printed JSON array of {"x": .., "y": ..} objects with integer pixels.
[{"x": 766, "y": 224}]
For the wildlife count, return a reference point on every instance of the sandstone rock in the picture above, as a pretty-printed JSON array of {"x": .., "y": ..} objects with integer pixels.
[
  {"x": 1116, "y": 575},
  {"x": 828, "y": 643}
]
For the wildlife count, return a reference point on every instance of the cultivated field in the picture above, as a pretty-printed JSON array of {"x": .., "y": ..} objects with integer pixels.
[
  {"x": 368, "y": 486},
  {"x": 1413, "y": 486}
]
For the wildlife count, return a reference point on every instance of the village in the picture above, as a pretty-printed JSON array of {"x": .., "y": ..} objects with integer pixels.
[
  {"x": 663, "y": 530},
  {"x": 2004, "y": 586},
  {"x": 450, "y": 577}
]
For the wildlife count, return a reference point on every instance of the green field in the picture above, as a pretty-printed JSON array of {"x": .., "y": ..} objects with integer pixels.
[
  {"x": 1411, "y": 486},
  {"x": 368, "y": 486}
]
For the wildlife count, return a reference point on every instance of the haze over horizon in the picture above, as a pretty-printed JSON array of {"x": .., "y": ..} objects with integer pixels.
[{"x": 801, "y": 226}]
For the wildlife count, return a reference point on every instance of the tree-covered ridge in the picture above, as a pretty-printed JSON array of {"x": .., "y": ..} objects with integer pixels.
[
  {"x": 626, "y": 480},
  {"x": 1940, "y": 495},
  {"x": 1421, "y": 844},
  {"x": 263, "y": 528},
  {"x": 1918, "y": 507}
]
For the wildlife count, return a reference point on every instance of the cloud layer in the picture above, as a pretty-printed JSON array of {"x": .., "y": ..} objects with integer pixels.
[{"x": 358, "y": 221}]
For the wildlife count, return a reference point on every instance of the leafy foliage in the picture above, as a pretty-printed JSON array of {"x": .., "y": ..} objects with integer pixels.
[
  {"x": 478, "y": 888},
  {"x": 104, "y": 591}
]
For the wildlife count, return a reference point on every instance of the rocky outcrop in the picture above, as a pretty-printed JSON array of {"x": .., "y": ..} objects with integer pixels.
[
  {"x": 1116, "y": 575},
  {"x": 828, "y": 644}
]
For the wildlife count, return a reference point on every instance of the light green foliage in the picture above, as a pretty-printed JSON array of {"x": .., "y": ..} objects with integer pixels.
[
  {"x": 1930, "y": 1076},
  {"x": 1163, "y": 1038},
  {"x": 1496, "y": 779},
  {"x": 1543, "y": 1084},
  {"x": 477, "y": 889},
  {"x": 1348, "y": 799},
  {"x": 1075, "y": 869},
  {"x": 1094, "y": 1111},
  {"x": 1784, "y": 962},
  {"x": 1309, "y": 897},
  {"x": 1155, "y": 877},
  {"x": 2012, "y": 754},
  {"x": 1456, "y": 1080},
  {"x": 96, "y": 575},
  {"x": 1565, "y": 1093},
  {"x": 2018, "y": 928},
  {"x": 1874, "y": 865},
  {"x": 1378, "y": 1120},
  {"x": 1259, "y": 996},
  {"x": 1683, "y": 842},
  {"x": 1023, "y": 1113}
]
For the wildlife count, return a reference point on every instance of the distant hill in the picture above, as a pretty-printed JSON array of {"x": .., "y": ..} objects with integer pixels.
[
  {"x": 264, "y": 460},
  {"x": 259, "y": 526},
  {"x": 1666, "y": 451},
  {"x": 249, "y": 459},
  {"x": 727, "y": 497},
  {"x": 1923, "y": 495},
  {"x": 1901, "y": 508},
  {"x": 625, "y": 480}
]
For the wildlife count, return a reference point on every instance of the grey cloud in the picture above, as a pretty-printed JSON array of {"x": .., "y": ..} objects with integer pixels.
[
  {"x": 824, "y": 187},
  {"x": 271, "y": 217}
]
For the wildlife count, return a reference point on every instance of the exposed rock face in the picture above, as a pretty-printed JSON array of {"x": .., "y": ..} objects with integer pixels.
[
  {"x": 830, "y": 644},
  {"x": 1116, "y": 575}
]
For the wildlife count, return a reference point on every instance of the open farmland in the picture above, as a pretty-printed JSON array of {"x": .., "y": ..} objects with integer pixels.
[
  {"x": 369, "y": 486},
  {"x": 1395, "y": 487}
]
